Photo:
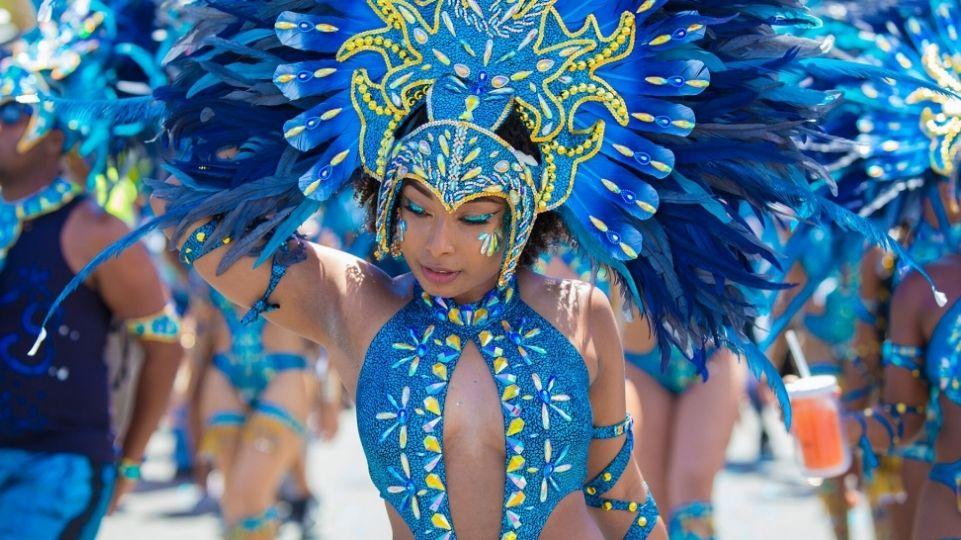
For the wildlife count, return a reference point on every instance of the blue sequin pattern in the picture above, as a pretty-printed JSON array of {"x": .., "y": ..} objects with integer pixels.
[
  {"x": 943, "y": 361},
  {"x": 543, "y": 387}
]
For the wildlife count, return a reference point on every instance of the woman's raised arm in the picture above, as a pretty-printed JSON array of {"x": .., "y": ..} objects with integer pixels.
[{"x": 318, "y": 292}]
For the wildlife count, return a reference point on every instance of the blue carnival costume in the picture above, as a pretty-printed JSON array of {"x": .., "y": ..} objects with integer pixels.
[
  {"x": 57, "y": 453},
  {"x": 886, "y": 163},
  {"x": 547, "y": 417},
  {"x": 249, "y": 369},
  {"x": 906, "y": 148},
  {"x": 942, "y": 370},
  {"x": 654, "y": 122}
]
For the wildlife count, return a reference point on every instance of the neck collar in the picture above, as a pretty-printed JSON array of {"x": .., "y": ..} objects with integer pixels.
[
  {"x": 495, "y": 304},
  {"x": 13, "y": 214}
]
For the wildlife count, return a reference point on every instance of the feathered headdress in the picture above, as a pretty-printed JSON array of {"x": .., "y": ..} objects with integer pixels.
[
  {"x": 893, "y": 141},
  {"x": 71, "y": 69},
  {"x": 656, "y": 122}
]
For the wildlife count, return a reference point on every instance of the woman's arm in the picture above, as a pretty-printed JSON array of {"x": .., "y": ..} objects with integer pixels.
[
  {"x": 865, "y": 367},
  {"x": 608, "y": 404},
  {"x": 323, "y": 297},
  {"x": 900, "y": 414}
]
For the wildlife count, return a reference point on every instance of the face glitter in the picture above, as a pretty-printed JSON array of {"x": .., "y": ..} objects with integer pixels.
[{"x": 490, "y": 242}]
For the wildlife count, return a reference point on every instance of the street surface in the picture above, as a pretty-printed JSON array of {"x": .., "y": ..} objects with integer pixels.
[{"x": 754, "y": 501}]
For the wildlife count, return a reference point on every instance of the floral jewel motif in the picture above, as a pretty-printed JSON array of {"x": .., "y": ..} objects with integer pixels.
[
  {"x": 545, "y": 394},
  {"x": 400, "y": 415},
  {"x": 406, "y": 486},
  {"x": 551, "y": 468},
  {"x": 522, "y": 337},
  {"x": 418, "y": 348},
  {"x": 491, "y": 242}
]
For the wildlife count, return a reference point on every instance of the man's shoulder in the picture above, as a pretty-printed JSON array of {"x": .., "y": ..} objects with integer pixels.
[{"x": 95, "y": 226}]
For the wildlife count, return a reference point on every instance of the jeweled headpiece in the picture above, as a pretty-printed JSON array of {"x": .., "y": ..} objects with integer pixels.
[
  {"x": 907, "y": 125},
  {"x": 73, "y": 65},
  {"x": 890, "y": 142},
  {"x": 469, "y": 65}
]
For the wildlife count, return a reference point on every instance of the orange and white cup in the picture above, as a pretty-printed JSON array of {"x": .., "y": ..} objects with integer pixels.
[{"x": 817, "y": 426}]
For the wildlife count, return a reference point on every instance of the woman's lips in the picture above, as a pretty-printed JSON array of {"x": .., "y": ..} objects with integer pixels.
[{"x": 439, "y": 276}]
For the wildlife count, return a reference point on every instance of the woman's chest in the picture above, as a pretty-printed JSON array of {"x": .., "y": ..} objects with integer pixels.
[{"x": 516, "y": 389}]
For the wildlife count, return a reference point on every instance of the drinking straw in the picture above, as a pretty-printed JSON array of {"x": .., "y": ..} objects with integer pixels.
[{"x": 797, "y": 353}]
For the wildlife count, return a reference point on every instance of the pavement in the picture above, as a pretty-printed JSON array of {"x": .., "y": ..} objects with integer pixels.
[{"x": 754, "y": 500}]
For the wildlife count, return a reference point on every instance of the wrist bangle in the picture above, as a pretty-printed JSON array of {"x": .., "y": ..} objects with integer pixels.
[{"x": 129, "y": 469}]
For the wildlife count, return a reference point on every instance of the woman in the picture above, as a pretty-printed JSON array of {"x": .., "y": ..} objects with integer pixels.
[
  {"x": 451, "y": 265},
  {"x": 682, "y": 449},
  {"x": 490, "y": 400},
  {"x": 908, "y": 151},
  {"x": 254, "y": 403},
  {"x": 920, "y": 356}
]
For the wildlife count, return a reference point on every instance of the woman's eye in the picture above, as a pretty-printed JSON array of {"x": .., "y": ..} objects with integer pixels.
[
  {"x": 415, "y": 208},
  {"x": 479, "y": 219}
]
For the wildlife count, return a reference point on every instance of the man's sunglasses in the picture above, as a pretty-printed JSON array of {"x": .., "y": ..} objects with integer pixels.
[{"x": 13, "y": 112}]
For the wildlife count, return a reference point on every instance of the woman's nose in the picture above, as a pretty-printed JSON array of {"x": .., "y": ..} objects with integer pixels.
[{"x": 440, "y": 241}]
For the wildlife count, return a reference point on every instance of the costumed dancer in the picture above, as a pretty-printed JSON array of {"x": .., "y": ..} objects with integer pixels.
[
  {"x": 913, "y": 146},
  {"x": 841, "y": 306},
  {"x": 825, "y": 310},
  {"x": 906, "y": 150},
  {"x": 491, "y": 400},
  {"x": 923, "y": 355},
  {"x": 259, "y": 383},
  {"x": 59, "y": 462},
  {"x": 682, "y": 449},
  {"x": 255, "y": 403}
]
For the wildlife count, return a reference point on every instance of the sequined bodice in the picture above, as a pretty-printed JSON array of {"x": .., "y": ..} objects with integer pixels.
[
  {"x": 246, "y": 340},
  {"x": 943, "y": 360},
  {"x": 543, "y": 387}
]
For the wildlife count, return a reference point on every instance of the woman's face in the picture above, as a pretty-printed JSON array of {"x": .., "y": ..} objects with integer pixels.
[{"x": 453, "y": 255}]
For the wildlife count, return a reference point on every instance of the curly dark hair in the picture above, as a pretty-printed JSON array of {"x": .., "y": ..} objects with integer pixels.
[{"x": 549, "y": 229}]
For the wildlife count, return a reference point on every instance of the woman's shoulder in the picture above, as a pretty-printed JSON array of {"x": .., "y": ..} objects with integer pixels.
[
  {"x": 578, "y": 310},
  {"x": 561, "y": 299},
  {"x": 915, "y": 290}
]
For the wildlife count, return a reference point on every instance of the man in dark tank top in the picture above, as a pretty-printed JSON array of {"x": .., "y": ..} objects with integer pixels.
[{"x": 60, "y": 465}]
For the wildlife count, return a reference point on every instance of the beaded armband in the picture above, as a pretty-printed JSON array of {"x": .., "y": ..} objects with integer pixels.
[
  {"x": 902, "y": 356},
  {"x": 871, "y": 414},
  {"x": 163, "y": 326},
  {"x": 645, "y": 513},
  {"x": 895, "y": 431},
  {"x": 897, "y": 412},
  {"x": 614, "y": 431},
  {"x": 198, "y": 242}
]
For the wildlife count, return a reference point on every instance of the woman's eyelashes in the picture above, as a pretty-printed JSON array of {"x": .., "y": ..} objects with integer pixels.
[
  {"x": 478, "y": 219},
  {"x": 415, "y": 208},
  {"x": 473, "y": 219}
]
